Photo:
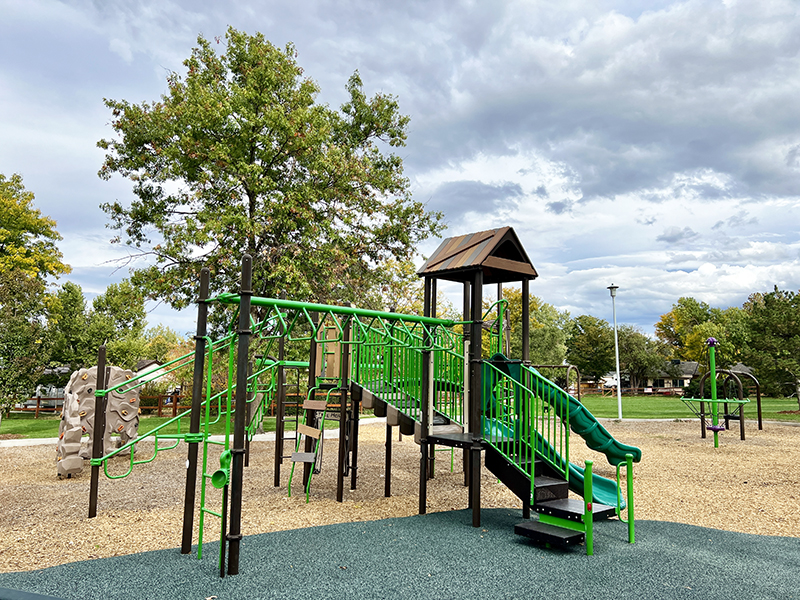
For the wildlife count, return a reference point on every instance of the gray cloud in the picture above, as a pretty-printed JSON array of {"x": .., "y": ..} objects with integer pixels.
[
  {"x": 674, "y": 235},
  {"x": 455, "y": 198}
]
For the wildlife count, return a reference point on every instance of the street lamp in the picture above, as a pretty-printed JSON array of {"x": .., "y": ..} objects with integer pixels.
[{"x": 613, "y": 289}]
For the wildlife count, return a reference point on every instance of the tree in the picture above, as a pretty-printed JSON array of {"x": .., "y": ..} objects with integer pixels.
[
  {"x": 23, "y": 351},
  {"x": 28, "y": 256},
  {"x": 68, "y": 328},
  {"x": 675, "y": 326},
  {"x": 590, "y": 346},
  {"x": 238, "y": 157},
  {"x": 774, "y": 347},
  {"x": 641, "y": 357},
  {"x": 548, "y": 329},
  {"x": 690, "y": 323},
  {"x": 27, "y": 239}
]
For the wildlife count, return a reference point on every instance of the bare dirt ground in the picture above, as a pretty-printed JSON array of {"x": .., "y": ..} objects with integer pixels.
[{"x": 751, "y": 486}]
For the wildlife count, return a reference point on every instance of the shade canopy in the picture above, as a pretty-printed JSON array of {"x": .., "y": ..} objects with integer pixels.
[{"x": 497, "y": 252}]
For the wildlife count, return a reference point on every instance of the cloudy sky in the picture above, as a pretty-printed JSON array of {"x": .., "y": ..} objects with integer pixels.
[{"x": 654, "y": 144}]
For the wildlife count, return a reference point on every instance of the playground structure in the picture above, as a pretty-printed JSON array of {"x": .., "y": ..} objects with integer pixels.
[
  {"x": 733, "y": 400},
  {"x": 78, "y": 417},
  {"x": 433, "y": 378}
]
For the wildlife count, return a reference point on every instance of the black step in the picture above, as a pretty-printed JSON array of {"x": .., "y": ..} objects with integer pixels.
[
  {"x": 572, "y": 509},
  {"x": 543, "y": 533},
  {"x": 548, "y": 489},
  {"x": 452, "y": 440}
]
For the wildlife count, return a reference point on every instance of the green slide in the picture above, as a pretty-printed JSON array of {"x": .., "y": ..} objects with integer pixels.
[{"x": 582, "y": 422}]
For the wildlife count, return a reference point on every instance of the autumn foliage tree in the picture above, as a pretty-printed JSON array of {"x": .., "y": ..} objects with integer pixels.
[
  {"x": 239, "y": 157},
  {"x": 28, "y": 256}
]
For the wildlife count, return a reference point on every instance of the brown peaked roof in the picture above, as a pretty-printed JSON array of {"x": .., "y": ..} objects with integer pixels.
[{"x": 497, "y": 251}]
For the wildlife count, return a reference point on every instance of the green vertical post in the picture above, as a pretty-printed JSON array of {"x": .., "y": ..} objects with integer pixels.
[
  {"x": 712, "y": 367},
  {"x": 629, "y": 471},
  {"x": 588, "y": 516}
]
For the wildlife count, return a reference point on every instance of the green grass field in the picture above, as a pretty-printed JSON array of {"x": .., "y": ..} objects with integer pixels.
[
  {"x": 633, "y": 407},
  {"x": 47, "y": 426},
  {"x": 671, "y": 407}
]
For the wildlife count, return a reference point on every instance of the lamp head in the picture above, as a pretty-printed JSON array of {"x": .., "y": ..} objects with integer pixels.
[{"x": 613, "y": 289}]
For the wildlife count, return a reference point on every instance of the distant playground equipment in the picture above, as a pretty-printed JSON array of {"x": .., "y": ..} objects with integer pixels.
[
  {"x": 733, "y": 400},
  {"x": 121, "y": 418},
  {"x": 428, "y": 376}
]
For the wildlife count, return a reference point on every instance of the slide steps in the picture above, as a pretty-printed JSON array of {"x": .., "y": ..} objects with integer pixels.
[{"x": 561, "y": 519}]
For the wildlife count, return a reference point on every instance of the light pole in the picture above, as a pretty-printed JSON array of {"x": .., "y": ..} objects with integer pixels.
[{"x": 613, "y": 289}]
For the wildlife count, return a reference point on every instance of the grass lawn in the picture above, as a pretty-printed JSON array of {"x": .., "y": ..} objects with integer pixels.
[
  {"x": 47, "y": 426},
  {"x": 671, "y": 407},
  {"x": 633, "y": 407}
]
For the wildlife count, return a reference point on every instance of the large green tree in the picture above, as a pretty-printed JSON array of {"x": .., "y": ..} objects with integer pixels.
[
  {"x": 590, "y": 346},
  {"x": 773, "y": 350},
  {"x": 239, "y": 157},
  {"x": 23, "y": 348},
  {"x": 28, "y": 257},
  {"x": 642, "y": 357},
  {"x": 690, "y": 322},
  {"x": 27, "y": 238},
  {"x": 548, "y": 329}
]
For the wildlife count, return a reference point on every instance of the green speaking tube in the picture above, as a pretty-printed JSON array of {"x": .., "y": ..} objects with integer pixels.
[{"x": 222, "y": 476}]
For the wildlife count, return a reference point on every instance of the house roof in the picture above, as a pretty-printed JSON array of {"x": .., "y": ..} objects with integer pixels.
[{"x": 497, "y": 252}]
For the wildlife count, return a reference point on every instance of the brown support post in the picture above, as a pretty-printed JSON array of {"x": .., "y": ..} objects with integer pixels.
[
  {"x": 194, "y": 418},
  {"x": 387, "y": 484},
  {"x": 432, "y": 447},
  {"x": 423, "y": 442},
  {"x": 703, "y": 420},
  {"x": 465, "y": 462},
  {"x": 344, "y": 376},
  {"x": 234, "y": 536},
  {"x": 475, "y": 397},
  {"x": 99, "y": 430},
  {"x": 526, "y": 325}
]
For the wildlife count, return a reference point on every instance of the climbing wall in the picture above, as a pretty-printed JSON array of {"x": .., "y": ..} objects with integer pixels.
[{"x": 77, "y": 418}]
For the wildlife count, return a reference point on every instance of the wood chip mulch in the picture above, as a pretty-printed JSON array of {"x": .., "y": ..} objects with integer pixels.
[{"x": 750, "y": 486}]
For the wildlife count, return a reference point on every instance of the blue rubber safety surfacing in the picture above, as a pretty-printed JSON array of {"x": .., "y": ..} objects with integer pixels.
[{"x": 440, "y": 556}]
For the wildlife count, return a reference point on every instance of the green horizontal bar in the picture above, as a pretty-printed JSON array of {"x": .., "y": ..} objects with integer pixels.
[
  {"x": 564, "y": 523},
  {"x": 229, "y": 298}
]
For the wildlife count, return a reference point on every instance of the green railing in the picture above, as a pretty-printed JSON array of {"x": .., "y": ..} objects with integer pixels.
[
  {"x": 389, "y": 364},
  {"x": 519, "y": 422}
]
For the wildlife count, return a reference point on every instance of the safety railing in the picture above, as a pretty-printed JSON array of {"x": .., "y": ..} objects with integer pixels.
[{"x": 519, "y": 420}]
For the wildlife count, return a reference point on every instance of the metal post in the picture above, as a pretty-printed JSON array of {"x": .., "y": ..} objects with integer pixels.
[
  {"x": 237, "y": 468},
  {"x": 475, "y": 423},
  {"x": 466, "y": 335},
  {"x": 99, "y": 430},
  {"x": 425, "y": 400},
  {"x": 344, "y": 377},
  {"x": 194, "y": 418},
  {"x": 613, "y": 289},
  {"x": 526, "y": 324},
  {"x": 387, "y": 484},
  {"x": 712, "y": 370}
]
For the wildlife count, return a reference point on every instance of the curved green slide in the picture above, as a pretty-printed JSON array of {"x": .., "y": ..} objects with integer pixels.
[{"x": 582, "y": 422}]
